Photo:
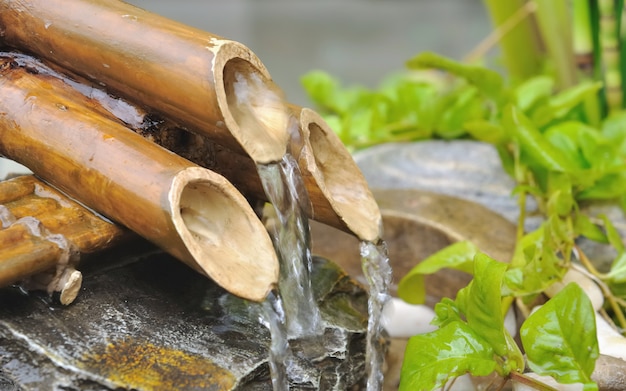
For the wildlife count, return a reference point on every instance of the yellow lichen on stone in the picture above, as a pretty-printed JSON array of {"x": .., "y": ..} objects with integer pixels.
[{"x": 141, "y": 365}]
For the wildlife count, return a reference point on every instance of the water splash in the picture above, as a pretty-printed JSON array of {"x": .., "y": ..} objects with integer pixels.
[
  {"x": 284, "y": 188},
  {"x": 378, "y": 273},
  {"x": 272, "y": 316}
]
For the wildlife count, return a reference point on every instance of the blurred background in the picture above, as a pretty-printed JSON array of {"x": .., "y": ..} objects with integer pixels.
[{"x": 358, "y": 41}]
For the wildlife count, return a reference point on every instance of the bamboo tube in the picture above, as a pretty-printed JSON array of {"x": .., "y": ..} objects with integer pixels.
[
  {"x": 338, "y": 191},
  {"x": 42, "y": 234},
  {"x": 208, "y": 84},
  {"x": 191, "y": 212},
  {"x": 27, "y": 196}
]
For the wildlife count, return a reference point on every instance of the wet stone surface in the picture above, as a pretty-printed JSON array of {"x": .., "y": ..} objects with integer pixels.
[
  {"x": 153, "y": 324},
  {"x": 466, "y": 169}
]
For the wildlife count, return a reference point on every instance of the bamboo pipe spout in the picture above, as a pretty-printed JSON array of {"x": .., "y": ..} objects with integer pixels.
[
  {"x": 339, "y": 193},
  {"x": 191, "y": 212},
  {"x": 208, "y": 84}
]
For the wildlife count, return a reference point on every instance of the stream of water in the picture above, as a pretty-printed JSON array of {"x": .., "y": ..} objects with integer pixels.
[
  {"x": 292, "y": 312},
  {"x": 378, "y": 273},
  {"x": 283, "y": 185}
]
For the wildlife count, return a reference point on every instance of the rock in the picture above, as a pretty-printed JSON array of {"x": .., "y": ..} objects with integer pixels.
[
  {"x": 610, "y": 373},
  {"x": 150, "y": 323},
  {"x": 416, "y": 224},
  {"x": 466, "y": 169},
  {"x": 582, "y": 278}
]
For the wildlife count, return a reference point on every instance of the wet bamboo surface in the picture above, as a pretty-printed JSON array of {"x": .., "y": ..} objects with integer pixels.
[
  {"x": 201, "y": 88},
  {"x": 25, "y": 251},
  {"x": 339, "y": 194},
  {"x": 185, "y": 74},
  {"x": 191, "y": 212}
]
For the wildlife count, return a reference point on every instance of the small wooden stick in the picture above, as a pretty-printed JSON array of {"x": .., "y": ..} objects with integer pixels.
[{"x": 191, "y": 212}]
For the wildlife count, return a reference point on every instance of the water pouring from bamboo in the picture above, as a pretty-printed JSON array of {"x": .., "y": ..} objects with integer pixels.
[{"x": 191, "y": 212}]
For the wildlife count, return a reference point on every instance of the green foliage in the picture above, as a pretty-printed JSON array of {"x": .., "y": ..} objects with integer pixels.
[
  {"x": 459, "y": 256},
  {"x": 560, "y": 338},
  {"x": 560, "y": 150},
  {"x": 453, "y": 350}
]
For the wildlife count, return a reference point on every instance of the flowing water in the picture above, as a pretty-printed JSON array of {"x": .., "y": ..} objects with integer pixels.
[
  {"x": 284, "y": 187},
  {"x": 273, "y": 317},
  {"x": 292, "y": 312},
  {"x": 378, "y": 273}
]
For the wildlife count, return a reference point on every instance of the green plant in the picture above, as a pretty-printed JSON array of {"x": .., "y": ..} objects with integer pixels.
[
  {"x": 559, "y": 338},
  {"x": 562, "y": 139}
]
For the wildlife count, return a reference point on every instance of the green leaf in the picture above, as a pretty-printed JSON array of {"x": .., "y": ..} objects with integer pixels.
[
  {"x": 486, "y": 131},
  {"x": 488, "y": 82},
  {"x": 433, "y": 358},
  {"x": 459, "y": 256},
  {"x": 467, "y": 106},
  {"x": 560, "y": 338},
  {"x": 585, "y": 227},
  {"x": 533, "y": 91},
  {"x": 321, "y": 88},
  {"x": 569, "y": 138},
  {"x": 560, "y": 200},
  {"x": 615, "y": 239},
  {"x": 446, "y": 311},
  {"x": 617, "y": 274},
  {"x": 484, "y": 312},
  {"x": 533, "y": 143},
  {"x": 535, "y": 264},
  {"x": 563, "y": 103}
]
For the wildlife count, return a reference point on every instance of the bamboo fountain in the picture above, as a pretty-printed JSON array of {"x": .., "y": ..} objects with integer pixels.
[{"x": 81, "y": 83}]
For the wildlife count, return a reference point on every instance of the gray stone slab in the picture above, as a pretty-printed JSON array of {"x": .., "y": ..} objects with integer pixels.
[
  {"x": 153, "y": 324},
  {"x": 465, "y": 169}
]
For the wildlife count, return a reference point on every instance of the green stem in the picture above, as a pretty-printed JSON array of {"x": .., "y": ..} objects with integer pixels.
[
  {"x": 520, "y": 47},
  {"x": 584, "y": 55},
  {"x": 529, "y": 381},
  {"x": 609, "y": 43},
  {"x": 556, "y": 32},
  {"x": 582, "y": 37},
  {"x": 619, "y": 314}
]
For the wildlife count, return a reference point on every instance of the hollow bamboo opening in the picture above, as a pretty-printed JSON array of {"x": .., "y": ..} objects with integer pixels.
[
  {"x": 208, "y": 219},
  {"x": 254, "y": 109},
  {"x": 327, "y": 163},
  {"x": 54, "y": 130}
]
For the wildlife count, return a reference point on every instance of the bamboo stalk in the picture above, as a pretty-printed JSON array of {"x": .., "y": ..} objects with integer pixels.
[
  {"x": 609, "y": 42},
  {"x": 210, "y": 85},
  {"x": 584, "y": 55},
  {"x": 582, "y": 37},
  {"x": 553, "y": 19},
  {"x": 338, "y": 191},
  {"x": 520, "y": 47},
  {"x": 191, "y": 212}
]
